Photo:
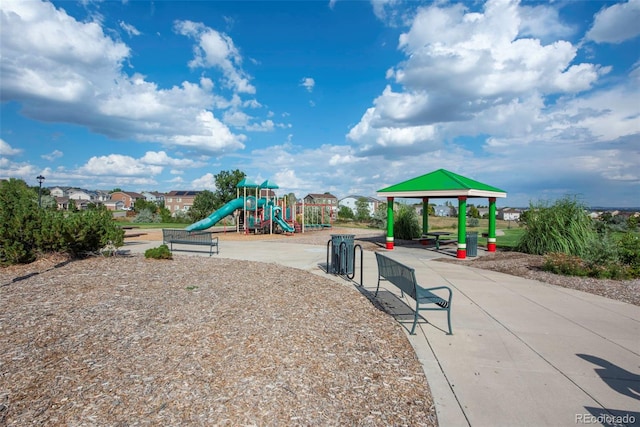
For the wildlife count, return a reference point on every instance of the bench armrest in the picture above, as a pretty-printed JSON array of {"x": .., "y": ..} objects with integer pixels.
[{"x": 438, "y": 288}]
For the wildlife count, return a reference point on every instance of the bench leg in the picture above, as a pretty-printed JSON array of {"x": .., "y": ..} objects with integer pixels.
[
  {"x": 449, "y": 320},
  {"x": 415, "y": 319}
]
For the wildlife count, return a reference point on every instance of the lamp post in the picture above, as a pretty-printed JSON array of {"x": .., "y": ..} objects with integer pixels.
[{"x": 40, "y": 179}]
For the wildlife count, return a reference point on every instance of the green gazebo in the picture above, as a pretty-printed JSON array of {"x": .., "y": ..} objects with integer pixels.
[{"x": 442, "y": 184}]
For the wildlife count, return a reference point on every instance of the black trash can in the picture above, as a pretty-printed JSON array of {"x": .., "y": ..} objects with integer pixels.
[
  {"x": 472, "y": 243},
  {"x": 342, "y": 253}
]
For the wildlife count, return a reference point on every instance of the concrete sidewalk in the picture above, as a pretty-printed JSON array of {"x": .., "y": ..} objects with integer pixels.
[{"x": 522, "y": 353}]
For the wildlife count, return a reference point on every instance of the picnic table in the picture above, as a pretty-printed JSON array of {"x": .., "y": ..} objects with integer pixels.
[{"x": 437, "y": 235}]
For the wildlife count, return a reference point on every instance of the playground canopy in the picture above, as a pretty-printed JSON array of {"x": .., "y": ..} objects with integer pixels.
[{"x": 444, "y": 184}]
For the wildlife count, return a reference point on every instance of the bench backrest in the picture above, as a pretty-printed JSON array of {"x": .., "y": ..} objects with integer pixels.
[
  {"x": 194, "y": 236},
  {"x": 397, "y": 273}
]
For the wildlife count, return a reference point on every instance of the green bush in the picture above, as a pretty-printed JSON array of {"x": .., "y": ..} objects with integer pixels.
[
  {"x": 19, "y": 222},
  {"x": 629, "y": 250},
  {"x": 160, "y": 252},
  {"x": 561, "y": 263},
  {"x": 562, "y": 227},
  {"x": 406, "y": 225},
  {"x": 26, "y": 230}
]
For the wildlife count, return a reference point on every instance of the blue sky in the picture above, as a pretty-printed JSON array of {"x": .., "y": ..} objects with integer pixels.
[{"x": 539, "y": 99}]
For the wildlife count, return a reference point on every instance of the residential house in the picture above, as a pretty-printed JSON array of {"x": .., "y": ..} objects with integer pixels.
[
  {"x": 128, "y": 198},
  {"x": 179, "y": 201},
  {"x": 444, "y": 210},
  {"x": 350, "y": 202},
  {"x": 84, "y": 195},
  {"x": 59, "y": 191},
  {"x": 509, "y": 214},
  {"x": 102, "y": 196},
  {"x": 154, "y": 196},
  {"x": 114, "y": 205},
  {"x": 321, "y": 199},
  {"x": 62, "y": 203},
  {"x": 326, "y": 200}
]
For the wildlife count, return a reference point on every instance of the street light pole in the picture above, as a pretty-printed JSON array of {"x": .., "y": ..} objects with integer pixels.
[{"x": 40, "y": 179}]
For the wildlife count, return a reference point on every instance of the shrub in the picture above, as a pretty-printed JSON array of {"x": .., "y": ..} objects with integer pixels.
[
  {"x": 561, "y": 263},
  {"x": 406, "y": 226},
  {"x": 146, "y": 216},
  {"x": 26, "y": 230},
  {"x": 629, "y": 250},
  {"x": 562, "y": 227},
  {"x": 19, "y": 222},
  {"x": 473, "y": 222},
  {"x": 160, "y": 252}
]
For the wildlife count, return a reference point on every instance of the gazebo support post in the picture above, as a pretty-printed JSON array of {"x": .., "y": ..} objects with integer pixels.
[
  {"x": 389, "y": 242},
  {"x": 462, "y": 227},
  {"x": 425, "y": 215},
  {"x": 491, "y": 238}
]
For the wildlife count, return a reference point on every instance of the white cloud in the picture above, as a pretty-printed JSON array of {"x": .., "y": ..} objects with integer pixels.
[
  {"x": 616, "y": 23},
  {"x": 118, "y": 165},
  {"x": 76, "y": 77},
  {"x": 7, "y": 150},
  {"x": 129, "y": 29},
  {"x": 215, "y": 49},
  {"x": 308, "y": 83},
  {"x": 55, "y": 154},
  {"x": 205, "y": 182},
  {"x": 161, "y": 158},
  {"x": 461, "y": 64},
  {"x": 543, "y": 22}
]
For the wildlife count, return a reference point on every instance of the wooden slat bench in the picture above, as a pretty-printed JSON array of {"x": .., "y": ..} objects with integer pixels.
[
  {"x": 184, "y": 237},
  {"x": 404, "y": 278}
]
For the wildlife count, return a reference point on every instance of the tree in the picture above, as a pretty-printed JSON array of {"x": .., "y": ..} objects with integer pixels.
[
  {"x": 473, "y": 212},
  {"x": 226, "y": 182},
  {"x": 291, "y": 200},
  {"x": 203, "y": 204},
  {"x": 116, "y": 190},
  {"x": 379, "y": 219},
  {"x": 142, "y": 205},
  {"x": 345, "y": 212},
  {"x": 362, "y": 209}
]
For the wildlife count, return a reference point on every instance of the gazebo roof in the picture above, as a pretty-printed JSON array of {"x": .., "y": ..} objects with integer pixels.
[{"x": 441, "y": 184}]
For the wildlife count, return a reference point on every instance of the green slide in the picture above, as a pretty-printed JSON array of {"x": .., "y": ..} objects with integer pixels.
[{"x": 224, "y": 211}]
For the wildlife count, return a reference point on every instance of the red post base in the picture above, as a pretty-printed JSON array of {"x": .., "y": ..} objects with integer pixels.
[
  {"x": 491, "y": 247},
  {"x": 462, "y": 253},
  {"x": 389, "y": 246}
]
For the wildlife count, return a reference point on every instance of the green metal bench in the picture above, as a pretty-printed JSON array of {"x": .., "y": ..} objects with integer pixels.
[
  {"x": 184, "y": 237},
  {"x": 404, "y": 278}
]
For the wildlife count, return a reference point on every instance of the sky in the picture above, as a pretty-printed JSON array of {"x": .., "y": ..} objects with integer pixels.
[{"x": 539, "y": 99}]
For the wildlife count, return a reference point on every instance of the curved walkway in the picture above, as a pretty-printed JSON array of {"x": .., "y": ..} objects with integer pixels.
[{"x": 522, "y": 353}]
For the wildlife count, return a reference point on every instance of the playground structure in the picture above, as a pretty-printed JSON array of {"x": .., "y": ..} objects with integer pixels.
[{"x": 256, "y": 209}]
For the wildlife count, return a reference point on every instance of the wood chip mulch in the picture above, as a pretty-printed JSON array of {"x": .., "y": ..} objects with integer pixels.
[{"x": 199, "y": 341}]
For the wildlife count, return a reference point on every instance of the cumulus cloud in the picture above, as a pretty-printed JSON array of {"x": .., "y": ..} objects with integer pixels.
[
  {"x": 161, "y": 158},
  {"x": 616, "y": 23},
  {"x": 76, "y": 77},
  {"x": 215, "y": 49},
  {"x": 205, "y": 182},
  {"x": 55, "y": 154},
  {"x": 118, "y": 165},
  {"x": 129, "y": 29},
  {"x": 460, "y": 64},
  {"x": 7, "y": 150},
  {"x": 308, "y": 83}
]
